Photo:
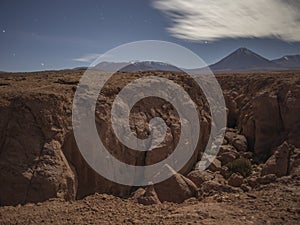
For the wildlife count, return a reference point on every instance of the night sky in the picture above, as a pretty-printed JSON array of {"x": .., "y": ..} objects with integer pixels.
[{"x": 44, "y": 35}]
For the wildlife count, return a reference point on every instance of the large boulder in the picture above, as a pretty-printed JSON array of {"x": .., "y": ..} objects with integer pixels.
[
  {"x": 268, "y": 122},
  {"x": 228, "y": 157},
  {"x": 237, "y": 140},
  {"x": 146, "y": 196},
  {"x": 215, "y": 165},
  {"x": 294, "y": 167},
  {"x": 289, "y": 100},
  {"x": 176, "y": 189},
  {"x": 230, "y": 135},
  {"x": 226, "y": 148},
  {"x": 240, "y": 143},
  {"x": 278, "y": 163}
]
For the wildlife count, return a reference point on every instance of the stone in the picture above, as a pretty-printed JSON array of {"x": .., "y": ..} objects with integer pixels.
[
  {"x": 294, "y": 167},
  {"x": 245, "y": 188},
  {"x": 268, "y": 124},
  {"x": 215, "y": 165},
  {"x": 225, "y": 142},
  {"x": 217, "y": 185},
  {"x": 267, "y": 179},
  {"x": 137, "y": 193},
  {"x": 199, "y": 177},
  {"x": 235, "y": 180},
  {"x": 252, "y": 181},
  {"x": 146, "y": 196},
  {"x": 176, "y": 189},
  {"x": 224, "y": 171},
  {"x": 237, "y": 140},
  {"x": 227, "y": 157},
  {"x": 212, "y": 187},
  {"x": 226, "y": 148},
  {"x": 290, "y": 111},
  {"x": 278, "y": 163},
  {"x": 230, "y": 135},
  {"x": 240, "y": 143},
  {"x": 246, "y": 155}
]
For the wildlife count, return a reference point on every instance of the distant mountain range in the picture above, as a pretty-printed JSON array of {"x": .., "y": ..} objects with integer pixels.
[
  {"x": 289, "y": 61},
  {"x": 149, "y": 66},
  {"x": 241, "y": 60},
  {"x": 135, "y": 66},
  {"x": 244, "y": 60}
]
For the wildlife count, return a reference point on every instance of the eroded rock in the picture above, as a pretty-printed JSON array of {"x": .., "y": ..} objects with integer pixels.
[
  {"x": 182, "y": 188},
  {"x": 199, "y": 177},
  {"x": 278, "y": 163},
  {"x": 146, "y": 196},
  {"x": 267, "y": 179},
  {"x": 235, "y": 180}
]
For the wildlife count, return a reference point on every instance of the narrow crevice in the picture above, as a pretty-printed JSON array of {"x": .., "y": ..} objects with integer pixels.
[
  {"x": 68, "y": 148},
  {"x": 39, "y": 156},
  {"x": 288, "y": 164},
  {"x": 75, "y": 172},
  {"x": 4, "y": 136},
  {"x": 282, "y": 128}
]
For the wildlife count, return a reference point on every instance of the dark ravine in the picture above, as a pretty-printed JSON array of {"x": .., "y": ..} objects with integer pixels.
[{"x": 39, "y": 159}]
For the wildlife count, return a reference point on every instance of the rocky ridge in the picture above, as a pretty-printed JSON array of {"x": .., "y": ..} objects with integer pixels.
[{"x": 40, "y": 160}]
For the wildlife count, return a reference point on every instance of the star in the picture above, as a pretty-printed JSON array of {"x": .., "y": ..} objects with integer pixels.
[
  {"x": 3, "y": 31},
  {"x": 42, "y": 64}
]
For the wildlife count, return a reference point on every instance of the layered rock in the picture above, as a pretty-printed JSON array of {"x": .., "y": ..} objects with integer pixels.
[
  {"x": 39, "y": 156},
  {"x": 278, "y": 163},
  {"x": 40, "y": 159},
  {"x": 268, "y": 108},
  {"x": 32, "y": 164}
]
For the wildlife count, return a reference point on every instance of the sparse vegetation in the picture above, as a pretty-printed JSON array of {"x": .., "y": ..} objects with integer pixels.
[{"x": 241, "y": 166}]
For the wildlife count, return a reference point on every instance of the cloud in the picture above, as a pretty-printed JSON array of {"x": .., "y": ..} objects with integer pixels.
[
  {"x": 209, "y": 20},
  {"x": 87, "y": 58}
]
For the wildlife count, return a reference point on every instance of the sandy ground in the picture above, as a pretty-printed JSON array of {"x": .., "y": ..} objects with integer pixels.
[{"x": 277, "y": 203}]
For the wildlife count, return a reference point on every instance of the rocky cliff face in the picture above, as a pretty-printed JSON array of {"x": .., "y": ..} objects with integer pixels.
[
  {"x": 39, "y": 158},
  {"x": 266, "y": 108},
  {"x": 33, "y": 127}
]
